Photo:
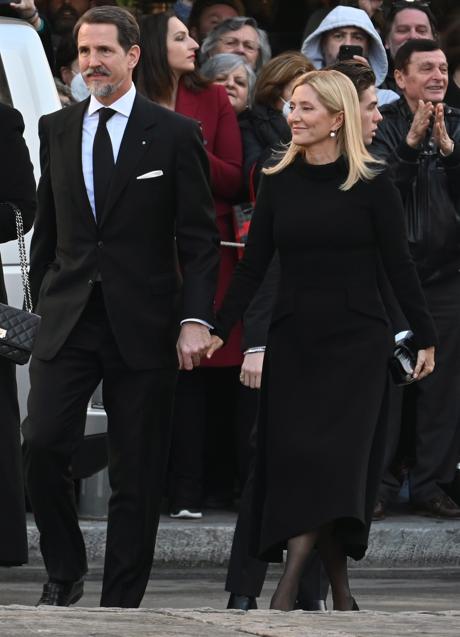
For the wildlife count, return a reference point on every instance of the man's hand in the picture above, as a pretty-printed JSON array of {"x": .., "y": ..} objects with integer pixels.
[
  {"x": 440, "y": 136},
  {"x": 216, "y": 343},
  {"x": 24, "y": 7},
  {"x": 425, "y": 363},
  {"x": 251, "y": 369},
  {"x": 361, "y": 60},
  {"x": 420, "y": 123},
  {"x": 193, "y": 343}
]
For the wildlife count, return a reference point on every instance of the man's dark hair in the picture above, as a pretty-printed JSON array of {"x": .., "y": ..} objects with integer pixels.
[
  {"x": 404, "y": 53},
  {"x": 127, "y": 27},
  {"x": 360, "y": 74}
]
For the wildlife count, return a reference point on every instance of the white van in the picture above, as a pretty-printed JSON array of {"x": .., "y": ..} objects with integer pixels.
[{"x": 27, "y": 84}]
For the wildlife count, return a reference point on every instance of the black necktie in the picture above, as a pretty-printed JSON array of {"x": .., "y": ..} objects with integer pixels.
[{"x": 103, "y": 162}]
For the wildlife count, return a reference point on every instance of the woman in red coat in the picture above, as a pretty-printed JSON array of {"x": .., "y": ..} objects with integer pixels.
[{"x": 206, "y": 398}]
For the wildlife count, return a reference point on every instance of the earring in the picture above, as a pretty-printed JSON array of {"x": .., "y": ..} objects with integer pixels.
[{"x": 332, "y": 133}]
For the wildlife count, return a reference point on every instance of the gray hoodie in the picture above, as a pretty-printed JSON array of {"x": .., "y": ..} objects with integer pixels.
[{"x": 351, "y": 17}]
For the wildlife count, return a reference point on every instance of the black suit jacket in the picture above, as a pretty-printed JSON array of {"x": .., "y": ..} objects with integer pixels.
[{"x": 153, "y": 234}]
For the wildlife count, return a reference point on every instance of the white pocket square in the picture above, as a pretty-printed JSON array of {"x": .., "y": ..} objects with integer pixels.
[{"x": 151, "y": 174}]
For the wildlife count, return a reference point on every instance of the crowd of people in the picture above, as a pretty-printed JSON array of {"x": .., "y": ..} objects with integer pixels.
[{"x": 345, "y": 155}]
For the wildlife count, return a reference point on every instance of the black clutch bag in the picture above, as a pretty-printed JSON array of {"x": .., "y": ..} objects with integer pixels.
[
  {"x": 18, "y": 328},
  {"x": 403, "y": 361}
]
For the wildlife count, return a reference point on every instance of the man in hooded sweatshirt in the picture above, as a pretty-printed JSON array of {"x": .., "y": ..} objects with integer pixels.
[{"x": 349, "y": 26}]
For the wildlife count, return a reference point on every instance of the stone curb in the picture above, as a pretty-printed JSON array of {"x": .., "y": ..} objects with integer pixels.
[
  {"x": 24, "y": 621},
  {"x": 403, "y": 542}
]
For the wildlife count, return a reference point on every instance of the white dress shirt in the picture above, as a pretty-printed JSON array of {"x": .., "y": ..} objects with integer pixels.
[{"x": 116, "y": 128}]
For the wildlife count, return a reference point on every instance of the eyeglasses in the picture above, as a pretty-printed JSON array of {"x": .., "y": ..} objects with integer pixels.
[{"x": 232, "y": 43}]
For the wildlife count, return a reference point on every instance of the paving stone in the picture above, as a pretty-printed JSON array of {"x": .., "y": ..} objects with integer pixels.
[{"x": 22, "y": 621}]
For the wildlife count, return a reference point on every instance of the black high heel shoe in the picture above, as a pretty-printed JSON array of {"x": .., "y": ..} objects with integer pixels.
[{"x": 355, "y": 605}]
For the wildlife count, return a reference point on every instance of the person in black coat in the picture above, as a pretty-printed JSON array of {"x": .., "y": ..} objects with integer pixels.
[
  {"x": 331, "y": 213},
  {"x": 420, "y": 139},
  {"x": 17, "y": 185},
  {"x": 119, "y": 259}
]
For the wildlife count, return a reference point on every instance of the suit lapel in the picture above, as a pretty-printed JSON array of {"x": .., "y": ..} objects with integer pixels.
[
  {"x": 135, "y": 143},
  {"x": 71, "y": 139}
]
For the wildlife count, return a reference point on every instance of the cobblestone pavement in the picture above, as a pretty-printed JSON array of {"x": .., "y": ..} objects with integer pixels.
[{"x": 22, "y": 621}]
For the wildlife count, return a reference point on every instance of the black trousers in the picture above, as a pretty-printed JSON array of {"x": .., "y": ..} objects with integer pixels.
[
  {"x": 138, "y": 406},
  {"x": 246, "y": 574},
  {"x": 430, "y": 409},
  {"x": 213, "y": 418}
]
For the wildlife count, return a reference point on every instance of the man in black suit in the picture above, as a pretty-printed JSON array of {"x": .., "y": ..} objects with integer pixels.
[{"x": 125, "y": 214}]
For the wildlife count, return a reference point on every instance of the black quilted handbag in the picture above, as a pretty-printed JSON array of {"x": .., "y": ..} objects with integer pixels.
[{"x": 18, "y": 328}]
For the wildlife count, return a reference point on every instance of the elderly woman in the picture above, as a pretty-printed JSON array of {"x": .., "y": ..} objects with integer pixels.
[
  {"x": 235, "y": 75},
  {"x": 332, "y": 213},
  {"x": 241, "y": 36}
]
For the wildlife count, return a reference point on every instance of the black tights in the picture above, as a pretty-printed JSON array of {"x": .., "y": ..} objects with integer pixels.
[{"x": 335, "y": 563}]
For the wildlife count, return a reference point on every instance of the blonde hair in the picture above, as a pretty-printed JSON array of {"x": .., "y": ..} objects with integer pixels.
[{"x": 337, "y": 94}]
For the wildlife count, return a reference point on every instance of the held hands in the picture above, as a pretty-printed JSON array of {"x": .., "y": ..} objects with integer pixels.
[
  {"x": 251, "y": 369},
  {"x": 425, "y": 363},
  {"x": 193, "y": 343},
  {"x": 216, "y": 343}
]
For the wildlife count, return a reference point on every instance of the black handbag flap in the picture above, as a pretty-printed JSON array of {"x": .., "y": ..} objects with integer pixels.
[{"x": 18, "y": 328}]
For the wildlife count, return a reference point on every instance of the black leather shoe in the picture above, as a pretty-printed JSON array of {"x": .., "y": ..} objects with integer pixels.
[
  {"x": 439, "y": 507},
  {"x": 61, "y": 593},
  {"x": 311, "y": 604},
  {"x": 242, "y": 602}
]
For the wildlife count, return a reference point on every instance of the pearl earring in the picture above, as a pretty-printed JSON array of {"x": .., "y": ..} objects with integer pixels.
[{"x": 332, "y": 133}]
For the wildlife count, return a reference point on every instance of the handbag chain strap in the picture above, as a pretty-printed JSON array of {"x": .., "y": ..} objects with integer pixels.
[{"x": 22, "y": 257}]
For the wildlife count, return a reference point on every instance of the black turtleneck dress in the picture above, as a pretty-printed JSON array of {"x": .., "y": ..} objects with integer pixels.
[{"x": 321, "y": 430}]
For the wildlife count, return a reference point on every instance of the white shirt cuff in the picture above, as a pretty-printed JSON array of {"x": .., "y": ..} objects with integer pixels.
[{"x": 195, "y": 320}]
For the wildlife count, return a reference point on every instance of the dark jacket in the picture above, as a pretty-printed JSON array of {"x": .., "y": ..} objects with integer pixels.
[
  {"x": 17, "y": 185},
  {"x": 145, "y": 227},
  {"x": 264, "y": 130},
  {"x": 430, "y": 188}
]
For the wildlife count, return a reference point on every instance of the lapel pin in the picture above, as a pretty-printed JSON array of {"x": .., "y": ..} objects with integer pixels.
[{"x": 143, "y": 142}]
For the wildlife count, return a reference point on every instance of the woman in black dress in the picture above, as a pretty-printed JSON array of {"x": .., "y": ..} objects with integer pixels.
[
  {"x": 331, "y": 214},
  {"x": 17, "y": 186}
]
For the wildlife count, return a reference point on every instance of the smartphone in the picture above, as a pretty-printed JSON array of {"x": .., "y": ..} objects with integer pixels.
[{"x": 347, "y": 51}]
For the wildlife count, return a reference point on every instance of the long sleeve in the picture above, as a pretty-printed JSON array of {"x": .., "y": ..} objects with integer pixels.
[
  {"x": 388, "y": 217},
  {"x": 196, "y": 233},
  {"x": 43, "y": 246},
  {"x": 226, "y": 157},
  {"x": 17, "y": 178},
  {"x": 251, "y": 270},
  {"x": 256, "y": 320}
]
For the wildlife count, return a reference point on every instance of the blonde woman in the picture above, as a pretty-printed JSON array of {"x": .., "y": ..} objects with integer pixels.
[{"x": 330, "y": 212}]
